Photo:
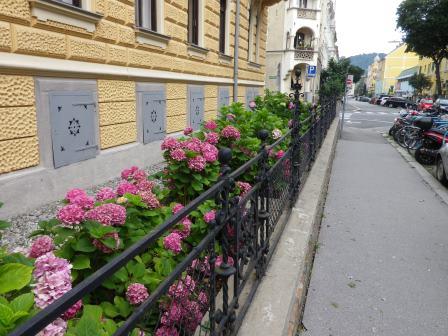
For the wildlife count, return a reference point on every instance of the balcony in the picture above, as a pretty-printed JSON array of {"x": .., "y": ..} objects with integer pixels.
[
  {"x": 304, "y": 54},
  {"x": 307, "y": 13}
]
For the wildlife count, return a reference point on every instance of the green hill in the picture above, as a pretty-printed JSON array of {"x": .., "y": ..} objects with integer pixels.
[{"x": 364, "y": 60}]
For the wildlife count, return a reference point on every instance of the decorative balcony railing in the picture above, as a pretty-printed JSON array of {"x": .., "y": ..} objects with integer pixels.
[
  {"x": 304, "y": 55},
  {"x": 307, "y": 13}
]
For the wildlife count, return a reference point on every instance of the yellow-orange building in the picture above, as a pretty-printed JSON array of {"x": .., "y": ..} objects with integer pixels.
[
  {"x": 88, "y": 87},
  {"x": 427, "y": 67},
  {"x": 394, "y": 63}
]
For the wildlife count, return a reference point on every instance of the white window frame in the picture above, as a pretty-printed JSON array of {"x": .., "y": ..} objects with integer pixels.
[
  {"x": 58, "y": 11},
  {"x": 227, "y": 28},
  {"x": 254, "y": 23},
  {"x": 160, "y": 14}
]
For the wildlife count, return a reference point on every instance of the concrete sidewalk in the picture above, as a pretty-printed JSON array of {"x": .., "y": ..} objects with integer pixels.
[{"x": 382, "y": 262}]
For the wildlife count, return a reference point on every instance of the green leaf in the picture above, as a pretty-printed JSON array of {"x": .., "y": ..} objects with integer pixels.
[
  {"x": 96, "y": 230},
  {"x": 197, "y": 186},
  {"x": 4, "y": 225},
  {"x": 6, "y": 315},
  {"x": 83, "y": 245},
  {"x": 18, "y": 315},
  {"x": 122, "y": 274},
  {"x": 150, "y": 213},
  {"x": 94, "y": 311},
  {"x": 23, "y": 302},
  {"x": 110, "y": 326},
  {"x": 66, "y": 251},
  {"x": 14, "y": 276},
  {"x": 123, "y": 306},
  {"x": 81, "y": 261},
  {"x": 62, "y": 234},
  {"x": 88, "y": 326},
  {"x": 109, "y": 309},
  {"x": 19, "y": 259}
]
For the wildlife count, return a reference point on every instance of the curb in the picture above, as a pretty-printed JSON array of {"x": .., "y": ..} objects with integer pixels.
[
  {"x": 426, "y": 176},
  {"x": 278, "y": 304}
]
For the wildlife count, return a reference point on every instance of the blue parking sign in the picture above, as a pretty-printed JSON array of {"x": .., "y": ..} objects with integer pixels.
[{"x": 311, "y": 71}]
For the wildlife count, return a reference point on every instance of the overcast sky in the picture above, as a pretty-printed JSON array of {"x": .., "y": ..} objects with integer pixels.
[{"x": 365, "y": 26}]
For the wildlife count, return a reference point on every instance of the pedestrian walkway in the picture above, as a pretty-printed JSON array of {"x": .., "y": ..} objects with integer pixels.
[{"x": 381, "y": 266}]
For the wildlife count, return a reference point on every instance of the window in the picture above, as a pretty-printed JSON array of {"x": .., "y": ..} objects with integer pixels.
[
  {"x": 222, "y": 26},
  {"x": 76, "y": 3},
  {"x": 303, "y": 3},
  {"x": 254, "y": 33},
  {"x": 299, "y": 40},
  {"x": 193, "y": 21},
  {"x": 147, "y": 14}
]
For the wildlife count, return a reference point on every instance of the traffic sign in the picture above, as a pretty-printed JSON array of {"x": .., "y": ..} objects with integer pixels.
[
  {"x": 349, "y": 80},
  {"x": 311, "y": 72}
]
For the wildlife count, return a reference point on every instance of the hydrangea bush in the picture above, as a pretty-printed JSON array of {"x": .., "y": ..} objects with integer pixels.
[{"x": 90, "y": 230}]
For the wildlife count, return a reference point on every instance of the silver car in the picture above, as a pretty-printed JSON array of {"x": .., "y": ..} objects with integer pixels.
[{"x": 442, "y": 162}]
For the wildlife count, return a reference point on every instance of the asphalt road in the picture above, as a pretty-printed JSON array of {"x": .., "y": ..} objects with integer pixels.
[
  {"x": 381, "y": 266},
  {"x": 364, "y": 115}
]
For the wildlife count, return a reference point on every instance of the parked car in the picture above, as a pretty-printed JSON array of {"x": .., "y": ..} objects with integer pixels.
[
  {"x": 383, "y": 100},
  {"x": 380, "y": 97},
  {"x": 364, "y": 99},
  {"x": 425, "y": 104},
  {"x": 441, "y": 105},
  {"x": 398, "y": 102}
]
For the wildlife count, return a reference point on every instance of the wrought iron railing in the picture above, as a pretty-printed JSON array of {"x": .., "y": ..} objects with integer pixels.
[{"x": 202, "y": 296}]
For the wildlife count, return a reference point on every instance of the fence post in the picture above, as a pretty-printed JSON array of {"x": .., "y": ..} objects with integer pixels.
[
  {"x": 295, "y": 143},
  {"x": 225, "y": 270}
]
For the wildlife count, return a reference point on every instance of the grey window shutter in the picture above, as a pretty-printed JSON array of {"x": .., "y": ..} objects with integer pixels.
[
  {"x": 223, "y": 97},
  {"x": 154, "y": 112},
  {"x": 196, "y": 106},
  {"x": 72, "y": 118}
]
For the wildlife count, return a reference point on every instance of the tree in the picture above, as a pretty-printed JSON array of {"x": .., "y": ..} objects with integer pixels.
[
  {"x": 424, "y": 24},
  {"x": 420, "y": 82},
  {"x": 334, "y": 76}
]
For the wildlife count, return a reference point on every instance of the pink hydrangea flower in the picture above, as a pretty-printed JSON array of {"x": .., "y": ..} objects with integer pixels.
[
  {"x": 170, "y": 143},
  {"x": 85, "y": 202},
  {"x": 212, "y": 138},
  {"x": 252, "y": 105},
  {"x": 145, "y": 185},
  {"x": 197, "y": 163},
  {"x": 106, "y": 249},
  {"x": 40, "y": 246},
  {"x": 209, "y": 152},
  {"x": 56, "y": 328},
  {"x": 276, "y": 134},
  {"x": 126, "y": 174},
  {"x": 188, "y": 131},
  {"x": 291, "y": 105},
  {"x": 290, "y": 123},
  {"x": 136, "y": 293},
  {"x": 71, "y": 214},
  {"x": 230, "y": 117},
  {"x": 139, "y": 175},
  {"x": 173, "y": 242},
  {"x": 150, "y": 199},
  {"x": 203, "y": 299},
  {"x": 72, "y": 311},
  {"x": 108, "y": 214},
  {"x": 194, "y": 316},
  {"x": 210, "y": 125},
  {"x": 74, "y": 193},
  {"x": 186, "y": 228},
  {"x": 52, "y": 277},
  {"x": 280, "y": 154},
  {"x": 244, "y": 187},
  {"x": 219, "y": 261},
  {"x": 210, "y": 216},
  {"x": 230, "y": 132},
  {"x": 178, "y": 154},
  {"x": 202, "y": 266},
  {"x": 167, "y": 331},
  {"x": 105, "y": 194},
  {"x": 182, "y": 288},
  {"x": 126, "y": 187},
  {"x": 173, "y": 314},
  {"x": 177, "y": 207},
  {"x": 193, "y": 144}
]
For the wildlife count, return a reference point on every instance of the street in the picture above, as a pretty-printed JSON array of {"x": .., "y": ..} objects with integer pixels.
[{"x": 381, "y": 264}]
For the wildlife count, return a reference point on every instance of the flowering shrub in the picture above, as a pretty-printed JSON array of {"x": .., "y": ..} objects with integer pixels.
[{"x": 89, "y": 231}]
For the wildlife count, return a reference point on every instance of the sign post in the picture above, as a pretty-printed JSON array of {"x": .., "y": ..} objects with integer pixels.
[{"x": 348, "y": 83}]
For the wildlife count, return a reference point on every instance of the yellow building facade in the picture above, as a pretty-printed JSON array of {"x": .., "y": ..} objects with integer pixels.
[
  {"x": 112, "y": 58},
  {"x": 428, "y": 68},
  {"x": 395, "y": 62}
]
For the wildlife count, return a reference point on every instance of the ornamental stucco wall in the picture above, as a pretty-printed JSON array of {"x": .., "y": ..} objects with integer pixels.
[{"x": 113, "y": 42}]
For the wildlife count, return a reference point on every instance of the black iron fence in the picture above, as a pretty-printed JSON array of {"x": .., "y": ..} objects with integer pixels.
[{"x": 207, "y": 293}]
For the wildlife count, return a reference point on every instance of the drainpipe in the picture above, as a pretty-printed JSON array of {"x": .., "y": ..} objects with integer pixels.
[{"x": 235, "y": 52}]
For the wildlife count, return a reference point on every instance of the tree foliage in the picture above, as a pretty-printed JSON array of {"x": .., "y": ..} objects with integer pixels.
[
  {"x": 420, "y": 82},
  {"x": 424, "y": 24},
  {"x": 333, "y": 77}
]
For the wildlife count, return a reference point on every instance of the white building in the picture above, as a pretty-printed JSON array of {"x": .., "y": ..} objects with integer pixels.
[{"x": 301, "y": 33}]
